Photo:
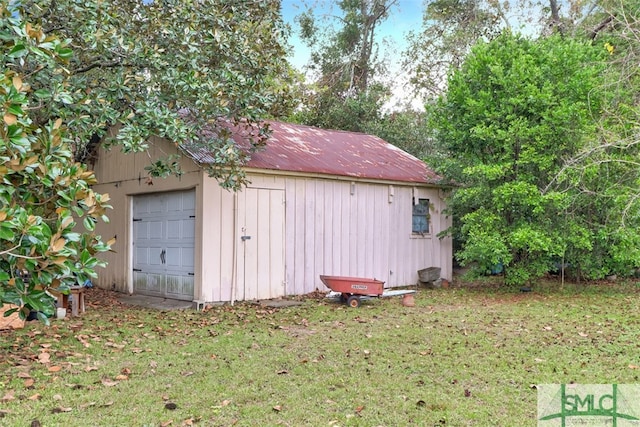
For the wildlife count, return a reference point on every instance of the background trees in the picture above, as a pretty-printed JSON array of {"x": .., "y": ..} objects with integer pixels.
[
  {"x": 511, "y": 116},
  {"x": 346, "y": 65},
  {"x": 543, "y": 136}
]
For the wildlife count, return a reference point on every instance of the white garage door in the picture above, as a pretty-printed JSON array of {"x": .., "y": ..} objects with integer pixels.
[{"x": 164, "y": 244}]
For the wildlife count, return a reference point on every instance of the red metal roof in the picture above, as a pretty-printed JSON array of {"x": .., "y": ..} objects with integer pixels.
[{"x": 306, "y": 149}]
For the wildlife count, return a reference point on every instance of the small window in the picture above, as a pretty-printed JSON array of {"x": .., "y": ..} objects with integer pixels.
[{"x": 421, "y": 217}]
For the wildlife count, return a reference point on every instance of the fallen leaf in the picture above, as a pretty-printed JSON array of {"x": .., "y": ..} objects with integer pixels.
[
  {"x": 36, "y": 423},
  {"x": 84, "y": 340},
  {"x": 166, "y": 423},
  {"x": 54, "y": 368},
  {"x": 44, "y": 357},
  {"x": 634, "y": 367},
  {"x": 90, "y": 368},
  {"x": 467, "y": 393},
  {"x": 170, "y": 406},
  {"x": 87, "y": 405},
  {"x": 61, "y": 409},
  {"x": 57, "y": 397},
  {"x": 114, "y": 345},
  {"x": 23, "y": 375},
  {"x": 225, "y": 402},
  {"x": 108, "y": 382},
  {"x": 28, "y": 383},
  {"x": 582, "y": 334},
  {"x": 421, "y": 403},
  {"x": 121, "y": 377},
  {"x": 282, "y": 372},
  {"x": 36, "y": 396},
  {"x": 359, "y": 409},
  {"x": 8, "y": 396},
  {"x": 277, "y": 408}
]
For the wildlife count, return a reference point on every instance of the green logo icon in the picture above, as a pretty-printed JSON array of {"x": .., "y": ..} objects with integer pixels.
[{"x": 616, "y": 405}]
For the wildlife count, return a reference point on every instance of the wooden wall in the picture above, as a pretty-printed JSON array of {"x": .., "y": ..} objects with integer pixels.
[
  {"x": 333, "y": 226},
  {"x": 331, "y": 231},
  {"x": 122, "y": 176}
]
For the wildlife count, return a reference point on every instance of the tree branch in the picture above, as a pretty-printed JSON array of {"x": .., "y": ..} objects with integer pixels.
[
  {"x": 600, "y": 27},
  {"x": 112, "y": 64}
]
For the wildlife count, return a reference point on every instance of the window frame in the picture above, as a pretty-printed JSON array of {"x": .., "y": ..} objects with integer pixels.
[{"x": 424, "y": 206}]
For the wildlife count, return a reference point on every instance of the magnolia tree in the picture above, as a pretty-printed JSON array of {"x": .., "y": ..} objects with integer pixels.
[
  {"x": 166, "y": 68},
  {"x": 47, "y": 208}
]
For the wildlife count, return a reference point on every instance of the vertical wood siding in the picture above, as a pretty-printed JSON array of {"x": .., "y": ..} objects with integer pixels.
[
  {"x": 327, "y": 230},
  {"x": 123, "y": 177},
  {"x": 367, "y": 234}
]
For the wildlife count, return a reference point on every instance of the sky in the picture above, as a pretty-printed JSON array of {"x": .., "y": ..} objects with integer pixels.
[{"x": 405, "y": 16}]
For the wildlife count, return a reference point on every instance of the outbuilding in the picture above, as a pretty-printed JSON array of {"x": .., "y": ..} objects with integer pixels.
[{"x": 319, "y": 202}]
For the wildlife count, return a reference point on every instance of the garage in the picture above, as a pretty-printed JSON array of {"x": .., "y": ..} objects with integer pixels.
[
  {"x": 317, "y": 202},
  {"x": 163, "y": 241}
]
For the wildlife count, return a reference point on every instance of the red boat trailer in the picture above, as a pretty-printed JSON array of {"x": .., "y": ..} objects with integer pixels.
[{"x": 353, "y": 288}]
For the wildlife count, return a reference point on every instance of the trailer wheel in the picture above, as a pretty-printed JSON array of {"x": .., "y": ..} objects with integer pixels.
[{"x": 353, "y": 301}]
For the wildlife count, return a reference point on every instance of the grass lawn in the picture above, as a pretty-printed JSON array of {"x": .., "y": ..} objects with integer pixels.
[{"x": 460, "y": 357}]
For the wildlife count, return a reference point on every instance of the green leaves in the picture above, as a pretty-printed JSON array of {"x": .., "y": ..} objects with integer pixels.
[
  {"x": 512, "y": 114},
  {"x": 41, "y": 187}
]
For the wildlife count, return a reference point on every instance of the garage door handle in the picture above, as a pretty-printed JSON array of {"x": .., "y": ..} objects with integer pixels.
[
  {"x": 163, "y": 256},
  {"x": 245, "y": 238}
]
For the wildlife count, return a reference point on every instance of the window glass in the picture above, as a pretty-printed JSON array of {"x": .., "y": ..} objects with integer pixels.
[{"x": 421, "y": 216}]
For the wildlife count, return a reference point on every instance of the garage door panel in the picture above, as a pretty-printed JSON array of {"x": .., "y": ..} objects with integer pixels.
[
  {"x": 139, "y": 281},
  {"x": 155, "y": 258},
  {"x": 156, "y": 230},
  {"x": 178, "y": 286},
  {"x": 174, "y": 229},
  {"x": 141, "y": 231},
  {"x": 164, "y": 244},
  {"x": 189, "y": 201},
  {"x": 154, "y": 283},
  {"x": 141, "y": 256},
  {"x": 187, "y": 258},
  {"x": 180, "y": 258},
  {"x": 155, "y": 205},
  {"x": 189, "y": 229}
]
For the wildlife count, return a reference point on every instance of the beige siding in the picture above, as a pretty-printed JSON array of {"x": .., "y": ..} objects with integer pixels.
[
  {"x": 122, "y": 177},
  {"x": 365, "y": 234},
  {"x": 331, "y": 226}
]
